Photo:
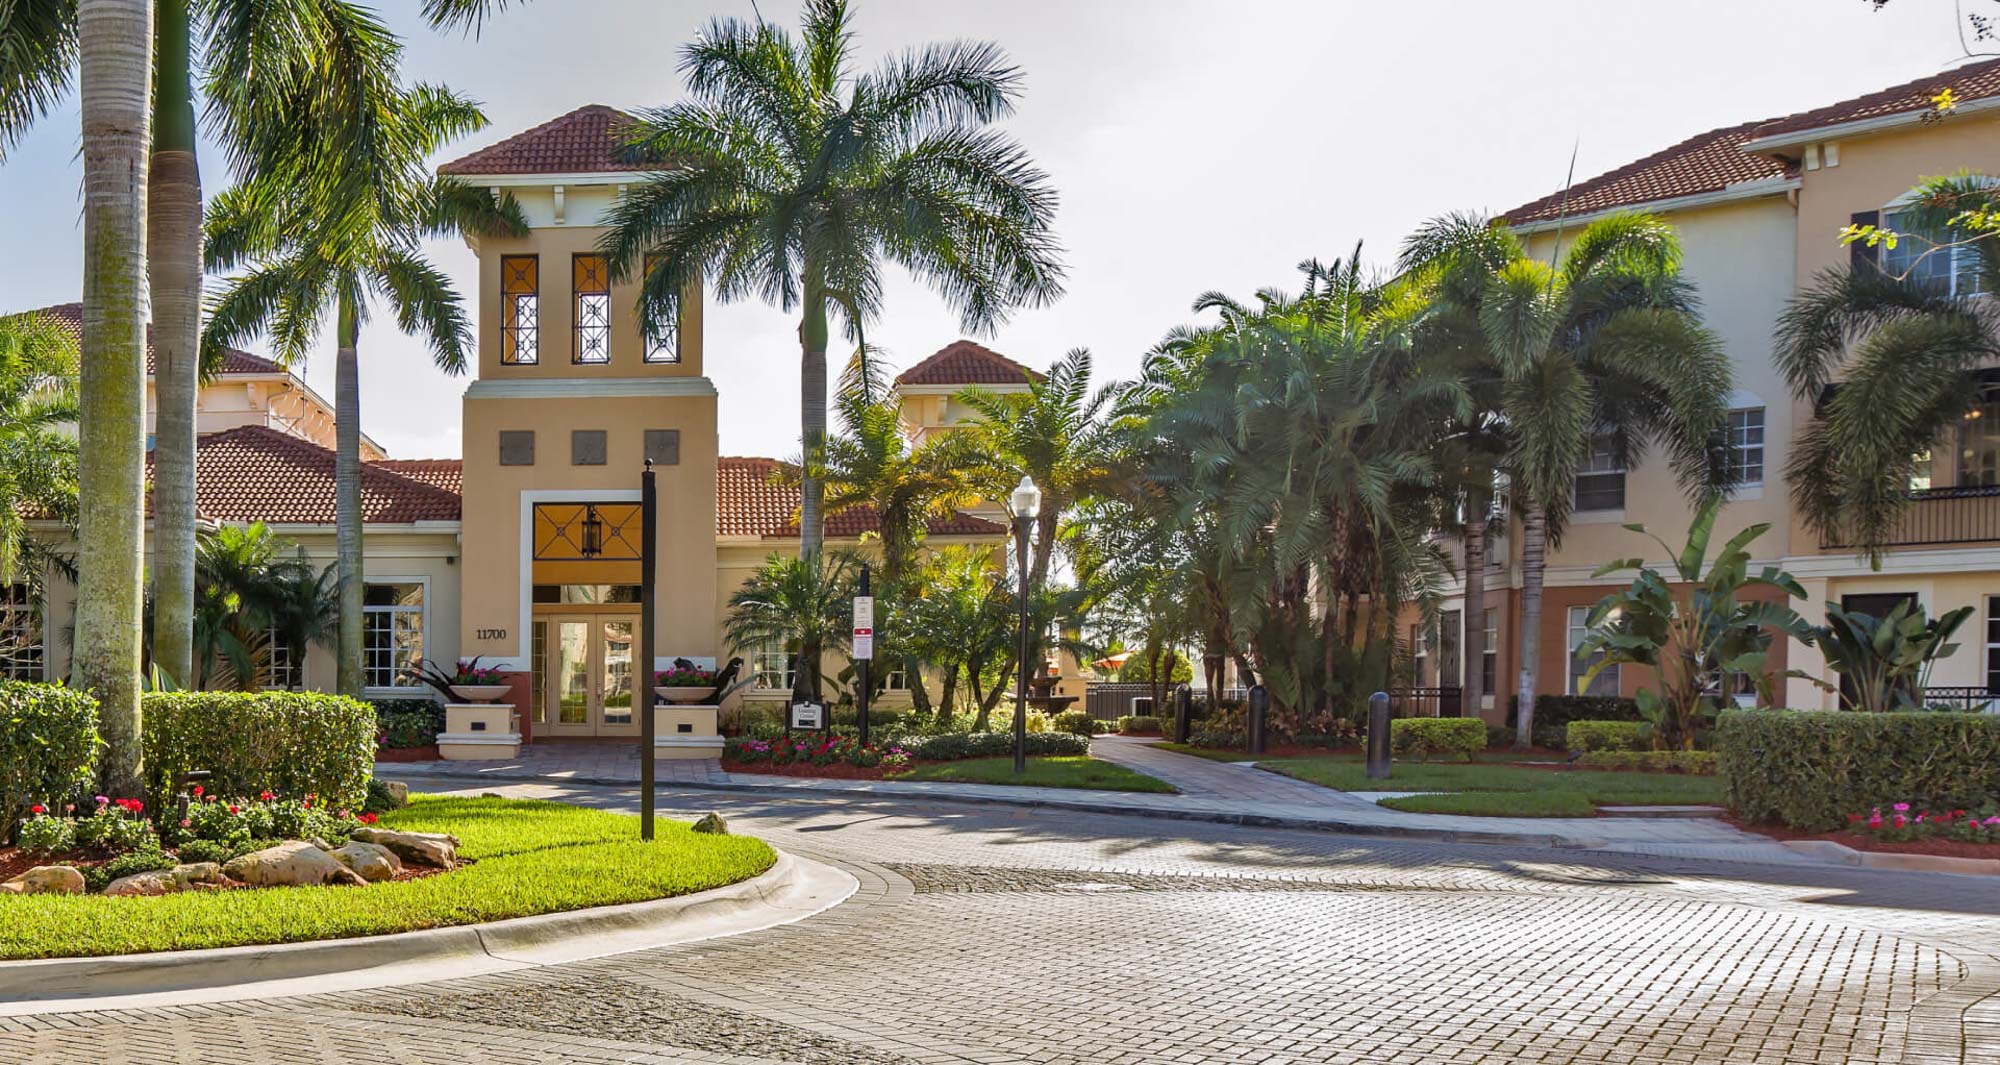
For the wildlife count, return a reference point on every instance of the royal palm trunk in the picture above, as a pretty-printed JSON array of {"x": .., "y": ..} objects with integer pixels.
[
  {"x": 115, "y": 41},
  {"x": 173, "y": 260},
  {"x": 1473, "y": 687},
  {"x": 1534, "y": 539},
  {"x": 347, "y": 495}
]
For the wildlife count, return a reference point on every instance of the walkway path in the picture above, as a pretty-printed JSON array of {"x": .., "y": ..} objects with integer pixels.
[{"x": 1231, "y": 793}]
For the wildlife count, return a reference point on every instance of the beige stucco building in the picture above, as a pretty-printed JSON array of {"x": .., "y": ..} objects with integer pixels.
[{"x": 1759, "y": 208}]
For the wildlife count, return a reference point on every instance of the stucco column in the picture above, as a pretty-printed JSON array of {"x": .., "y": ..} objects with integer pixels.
[{"x": 1803, "y": 694}]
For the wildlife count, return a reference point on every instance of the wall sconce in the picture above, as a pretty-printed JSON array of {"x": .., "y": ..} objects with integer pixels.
[{"x": 593, "y": 533}]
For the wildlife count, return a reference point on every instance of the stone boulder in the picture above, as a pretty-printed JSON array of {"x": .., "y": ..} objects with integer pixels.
[
  {"x": 423, "y": 848},
  {"x": 288, "y": 864},
  {"x": 197, "y": 875},
  {"x": 397, "y": 792},
  {"x": 45, "y": 880},
  {"x": 156, "y": 882},
  {"x": 372, "y": 860},
  {"x": 712, "y": 823}
]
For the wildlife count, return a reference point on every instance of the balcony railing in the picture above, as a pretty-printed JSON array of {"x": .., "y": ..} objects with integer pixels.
[{"x": 1937, "y": 516}]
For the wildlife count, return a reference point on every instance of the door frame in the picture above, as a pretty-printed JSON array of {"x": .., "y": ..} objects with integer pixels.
[{"x": 548, "y": 716}]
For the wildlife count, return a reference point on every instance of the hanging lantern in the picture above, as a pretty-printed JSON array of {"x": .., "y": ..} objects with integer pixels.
[{"x": 593, "y": 533}]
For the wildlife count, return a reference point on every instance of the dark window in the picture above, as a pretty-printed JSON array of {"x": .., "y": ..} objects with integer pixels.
[
  {"x": 587, "y": 447},
  {"x": 663, "y": 447},
  {"x": 517, "y": 447},
  {"x": 1450, "y": 665},
  {"x": 662, "y": 337},
  {"x": 590, "y": 283},
  {"x": 520, "y": 309},
  {"x": 1600, "y": 481}
]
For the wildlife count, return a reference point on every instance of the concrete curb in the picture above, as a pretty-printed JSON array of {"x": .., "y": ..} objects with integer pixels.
[
  {"x": 1827, "y": 850},
  {"x": 780, "y": 893},
  {"x": 1059, "y": 802}
]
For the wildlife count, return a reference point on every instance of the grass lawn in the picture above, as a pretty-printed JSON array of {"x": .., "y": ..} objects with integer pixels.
[
  {"x": 1059, "y": 771},
  {"x": 1505, "y": 790},
  {"x": 529, "y": 858}
]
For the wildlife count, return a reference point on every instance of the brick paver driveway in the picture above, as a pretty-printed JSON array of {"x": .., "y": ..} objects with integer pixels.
[{"x": 997, "y": 935}]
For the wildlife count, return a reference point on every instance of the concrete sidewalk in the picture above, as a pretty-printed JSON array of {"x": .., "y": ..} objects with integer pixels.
[{"x": 1225, "y": 792}]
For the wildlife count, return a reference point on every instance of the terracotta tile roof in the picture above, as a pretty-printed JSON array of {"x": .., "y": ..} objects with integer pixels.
[
  {"x": 963, "y": 362},
  {"x": 448, "y": 474},
  {"x": 70, "y": 315},
  {"x": 1707, "y": 162},
  {"x": 258, "y": 474},
  {"x": 1972, "y": 81},
  {"x": 747, "y": 503},
  {"x": 587, "y": 140}
]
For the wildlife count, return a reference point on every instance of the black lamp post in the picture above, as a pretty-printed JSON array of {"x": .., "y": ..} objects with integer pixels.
[
  {"x": 1025, "y": 504},
  {"x": 649, "y": 531}
]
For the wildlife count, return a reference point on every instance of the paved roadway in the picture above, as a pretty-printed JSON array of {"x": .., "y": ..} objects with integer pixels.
[{"x": 989, "y": 934}]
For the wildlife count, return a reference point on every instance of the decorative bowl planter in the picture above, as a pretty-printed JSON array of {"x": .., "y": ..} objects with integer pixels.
[
  {"x": 672, "y": 695},
  {"x": 480, "y": 693}
]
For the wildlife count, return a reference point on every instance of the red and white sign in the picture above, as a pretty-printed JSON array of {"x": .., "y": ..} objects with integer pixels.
[{"x": 864, "y": 626}]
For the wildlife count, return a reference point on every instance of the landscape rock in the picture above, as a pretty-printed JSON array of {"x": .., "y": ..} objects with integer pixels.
[
  {"x": 399, "y": 793},
  {"x": 197, "y": 874},
  {"x": 712, "y": 823},
  {"x": 156, "y": 882},
  {"x": 320, "y": 843},
  {"x": 423, "y": 848},
  {"x": 372, "y": 860},
  {"x": 46, "y": 880},
  {"x": 291, "y": 863}
]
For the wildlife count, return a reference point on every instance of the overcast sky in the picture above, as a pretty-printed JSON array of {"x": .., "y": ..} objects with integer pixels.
[{"x": 1197, "y": 144}]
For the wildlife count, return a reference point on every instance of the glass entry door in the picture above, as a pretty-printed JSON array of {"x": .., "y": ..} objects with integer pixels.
[{"x": 588, "y": 674}]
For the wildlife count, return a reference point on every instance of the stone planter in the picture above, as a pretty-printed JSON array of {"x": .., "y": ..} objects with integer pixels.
[
  {"x": 685, "y": 731},
  {"x": 479, "y": 732},
  {"x": 680, "y": 695},
  {"x": 480, "y": 693}
]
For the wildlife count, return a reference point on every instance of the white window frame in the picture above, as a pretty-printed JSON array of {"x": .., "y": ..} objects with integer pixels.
[
  {"x": 1578, "y": 627},
  {"x": 1961, "y": 271},
  {"x": 1992, "y": 642},
  {"x": 1489, "y": 657},
  {"x": 278, "y": 666},
  {"x": 1739, "y": 446},
  {"x": 25, "y": 617},
  {"x": 772, "y": 661},
  {"x": 423, "y": 620},
  {"x": 1420, "y": 654},
  {"x": 896, "y": 680},
  {"x": 1599, "y": 463}
]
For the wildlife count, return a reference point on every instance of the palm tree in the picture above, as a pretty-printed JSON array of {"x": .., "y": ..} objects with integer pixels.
[
  {"x": 1605, "y": 340},
  {"x": 962, "y": 623},
  {"x": 1909, "y": 356},
  {"x": 38, "y": 400},
  {"x": 795, "y": 179},
  {"x": 326, "y": 235},
  {"x": 115, "y": 49},
  {"x": 795, "y": 602}
]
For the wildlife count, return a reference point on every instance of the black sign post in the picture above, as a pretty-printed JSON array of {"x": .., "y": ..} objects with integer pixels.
[
  {"x": 1378, "y": 736},
  {"x": 864, "y": 651},
  {"x": 649, "y": 550}
]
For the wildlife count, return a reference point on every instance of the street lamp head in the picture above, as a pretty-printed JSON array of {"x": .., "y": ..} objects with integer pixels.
[{"x": 1027, "y": 499}]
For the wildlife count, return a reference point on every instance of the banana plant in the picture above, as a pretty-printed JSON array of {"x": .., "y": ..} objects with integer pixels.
[
  {"x": 1887, "y": 661},
  {"x": 1693, "y": 627}
]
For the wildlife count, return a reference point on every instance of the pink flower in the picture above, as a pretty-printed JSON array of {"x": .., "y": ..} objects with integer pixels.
[
  {"x": 1992, "y": 822},
  {"x": 1901, "y": 807},
  {"x": 185, "y": 823},
  {"x": 102, "y": 801},
  {"x": 1875, "y": 818}
]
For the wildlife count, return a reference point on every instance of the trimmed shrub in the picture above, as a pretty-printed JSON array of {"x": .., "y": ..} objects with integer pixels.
[
  {"x": 48, "y": 748},
  {"x": 1458, "y": 737},
  {"x": 1077, "y": 723},
  {"x": 406, "y": 723},
  {"x": 1607, "y": 735},
  {"x": 1699, "y": 763},
  {"x": 1139, "y": 725},
  {"x": 291, "y": 743},
  {"x": 1553, "y": 713},
  {"x": 1811, "y": 768},
  {"x": 952, "y": 747}
]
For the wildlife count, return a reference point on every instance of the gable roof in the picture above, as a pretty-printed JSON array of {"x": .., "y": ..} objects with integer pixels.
[
  {"x": 1716, "y": 160},
  {"x": 255, "y": 473},
  {"x": 749, "y": 503},
  {"x": 1705, "y": 162},
  {"x": 70, "y": 317},
  {"x": 1973, "y": 81},
  {"x": 588, "y": 140},
  {"x": 963, "y": 362}
]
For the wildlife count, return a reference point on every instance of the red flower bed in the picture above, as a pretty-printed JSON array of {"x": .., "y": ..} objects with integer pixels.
[
  {"x": 835, "y": 771},
  {"x": 407, "y": 754},
  {"x": 1862, "y": 841}
]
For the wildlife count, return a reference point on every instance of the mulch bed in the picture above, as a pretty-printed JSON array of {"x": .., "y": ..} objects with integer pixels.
[
  {"x": 1943, "y": 848},
  {"x": 407, "y": 754},
  {"x": 806, "y": 769}
]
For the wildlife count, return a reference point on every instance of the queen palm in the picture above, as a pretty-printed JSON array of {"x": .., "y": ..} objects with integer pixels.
[
  {"x": 324, "y": 237},
  {"x": 38, "y": 400},
  {"x": 795, "y": 602},
  {"x": 1603, "y": 341},
  {"x": 1909, "y": 355},
  {"x": 795, "y": 179}
]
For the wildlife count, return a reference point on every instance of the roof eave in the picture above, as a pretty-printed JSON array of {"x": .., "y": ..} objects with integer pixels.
[
  {"x": 1859, "y": 127},
  {"x": 580, "y": 177},
  {"x": 1742, "y": 190}
]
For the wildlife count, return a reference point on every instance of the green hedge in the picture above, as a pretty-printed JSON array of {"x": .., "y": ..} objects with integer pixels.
[
  {"x": 1811, "y": 768},
  {"x": 1553, "y": 713},
  {"x": 404, "y": 723},
  {"x": 1461, "y": 737},
  {"x": 1139, "y": 724},
  {"x": 1078, "y": 722},
  {"x": 293, "y": 743},
  {"x": 1607, "y": 735},
  {"x": 954, "y": 746},
  {"x": 1699, "y": 763},
  {"x": 48, "y": 747}
]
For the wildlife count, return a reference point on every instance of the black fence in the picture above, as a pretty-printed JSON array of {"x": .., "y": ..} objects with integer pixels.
[
  {"x": 1974, "y": 698},
  {"x": 1427, "y": 702},
  {"x": 1111, "y": 701},
  {"x": 1943, "y": 516}
]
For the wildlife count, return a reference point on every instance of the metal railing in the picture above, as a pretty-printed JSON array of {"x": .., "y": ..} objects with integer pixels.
[
  {"x": 1942, "y": 516},
  {"x": 1973, "y": 698},
  {"x": 1427, "y": 702}
]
